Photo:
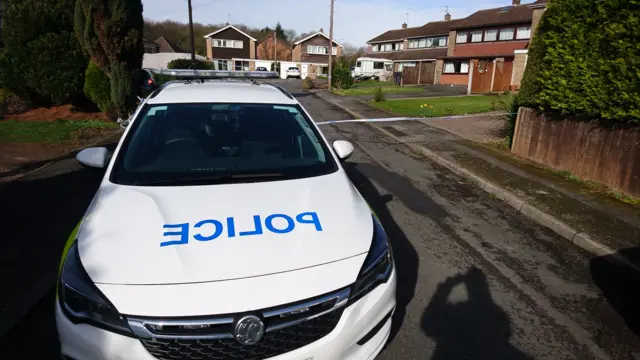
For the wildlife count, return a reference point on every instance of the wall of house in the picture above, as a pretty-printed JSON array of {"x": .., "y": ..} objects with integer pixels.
[
  {"x": 439, "y": 69},
  {"x": 297, "y": 53},
  {"x": 265, "y": 50},
  {"x": 451, "y": 44},
  {"x": 209, "y": 49},
  {"x": 537, "y": 15},
  {"x": 489, "y": 49},
  {"x": 586, "y": 149},
  {"x": 229, "y": 53},
  {"x": 454, "y": 79},
  {"x": 519, "y": 64}
]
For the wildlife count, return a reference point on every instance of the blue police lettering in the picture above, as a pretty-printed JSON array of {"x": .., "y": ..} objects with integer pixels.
[{"x": 211, "y": 229}]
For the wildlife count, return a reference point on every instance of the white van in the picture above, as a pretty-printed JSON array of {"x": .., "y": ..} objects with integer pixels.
[{"x": 373, "y": 68}]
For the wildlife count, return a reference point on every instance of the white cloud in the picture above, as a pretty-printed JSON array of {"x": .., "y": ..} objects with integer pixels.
[{"x": 355, "y": 21}]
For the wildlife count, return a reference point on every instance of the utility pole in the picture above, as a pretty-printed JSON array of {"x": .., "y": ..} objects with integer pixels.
[
  {"x": 330, "y": 44},
  {"x": 191, "y": 39}
]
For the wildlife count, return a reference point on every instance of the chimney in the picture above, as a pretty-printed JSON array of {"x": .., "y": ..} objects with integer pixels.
[
  {"x": 321, "y": 30},
  {"x": 404, "y": 25},
  {"x": 447, "y": 16},
  {"x": 516, "y": 2}
]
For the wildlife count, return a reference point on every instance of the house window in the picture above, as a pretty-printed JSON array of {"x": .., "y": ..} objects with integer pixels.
[
  {"x": 241, "y": 65},
  {"x": 221, "y": 65},
  {"x": 375, "y": 48},
  {"x": 150, "y": 49},
  {"x": 476, "y": 36},
  {"x": 334, "y": 51},
  {"x": 456, "y": 67},
  {"x": 377, "y": 65},
  {"x": 387, "y": 47},
  {"x": 413, "y": 44},
  {"x": 524, "y": 32},
  {"x": 399, "y": 46},
  {"x": 429, "y": 42},
  {"x": 316, "y": 49},
  {"x": 237, "y": 44},
  {"x": 461, "y": 38},
  {"x": 491, "y": 35},
  {"x": 442, "y": 41},
  {"x": 422, "y": 43},
  {"x": 506, "y": 34}
]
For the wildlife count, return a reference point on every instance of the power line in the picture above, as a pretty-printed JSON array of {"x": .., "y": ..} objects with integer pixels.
[{"x": 407, "y": 6}]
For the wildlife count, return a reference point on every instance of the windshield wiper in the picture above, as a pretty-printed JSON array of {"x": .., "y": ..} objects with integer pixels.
[{"x": 213, "y": 179}]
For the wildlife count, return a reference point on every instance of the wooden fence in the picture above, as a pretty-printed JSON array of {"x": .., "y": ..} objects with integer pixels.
[{"x": 586, "y": 149}]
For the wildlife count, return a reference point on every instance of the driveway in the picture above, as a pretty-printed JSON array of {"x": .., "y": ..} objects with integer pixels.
[{"x": 476, "y": 279}]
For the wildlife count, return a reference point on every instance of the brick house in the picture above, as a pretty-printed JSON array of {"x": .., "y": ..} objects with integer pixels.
[
  {"x": 416, "y": 49},
  {"x": 311, "y": 53},
  {"x": 265, "y": 50},
  {"x": 486, "y": 51},
  {"x": 231, "y": 49}
]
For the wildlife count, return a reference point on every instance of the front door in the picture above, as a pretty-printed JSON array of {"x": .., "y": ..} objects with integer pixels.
[{"x": 304, "y": 70}]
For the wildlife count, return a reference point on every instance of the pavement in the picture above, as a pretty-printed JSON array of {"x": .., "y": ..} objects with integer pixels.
[{"x": 477, "y": 279}]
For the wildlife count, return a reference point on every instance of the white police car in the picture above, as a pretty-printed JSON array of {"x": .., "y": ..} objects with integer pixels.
[{"x": 224, "y": 228}]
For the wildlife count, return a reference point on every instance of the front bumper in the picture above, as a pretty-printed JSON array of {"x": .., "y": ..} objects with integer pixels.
[{"x": 86, "y": 342}]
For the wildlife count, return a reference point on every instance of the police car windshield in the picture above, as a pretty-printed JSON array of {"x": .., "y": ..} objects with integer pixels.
[{"x": 183, "y": 144}]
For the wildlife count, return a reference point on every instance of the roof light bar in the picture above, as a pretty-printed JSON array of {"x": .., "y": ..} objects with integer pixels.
[{"x": 218, "y": 74}]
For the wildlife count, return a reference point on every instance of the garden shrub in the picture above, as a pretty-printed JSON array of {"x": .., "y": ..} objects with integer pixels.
[
  {"x": 584, "y": 61},
  {"x": 341, "y": 74},
  {"x": 97, "y": 87},
  {"x": 188, "y": 64},
  {"x": 308, "y": 83},
  {"x": 378, "y": 94}
]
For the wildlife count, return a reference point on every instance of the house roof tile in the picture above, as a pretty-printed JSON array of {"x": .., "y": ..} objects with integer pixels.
[
  {"x": 497, "y": 16},
  {"x": 428, "y": 29}
]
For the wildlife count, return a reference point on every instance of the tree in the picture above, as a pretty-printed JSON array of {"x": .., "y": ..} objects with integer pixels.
[
  {"x": 42, "y": 60},
  {"x": 280, "y": 34},
  {"x": 584, "y": 60},
  {"x": 110, "y": 32},
  {"x": 351, "y": 53}
]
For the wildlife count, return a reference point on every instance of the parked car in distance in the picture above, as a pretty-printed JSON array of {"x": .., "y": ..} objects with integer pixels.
[
  {"x": 261, "y": 68},
  {"x": 293, "y": 72}
]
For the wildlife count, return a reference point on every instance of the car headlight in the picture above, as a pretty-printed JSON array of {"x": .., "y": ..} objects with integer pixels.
[
  {"x": 82, "y": 302},
  {"x": 377, "y": 266}
]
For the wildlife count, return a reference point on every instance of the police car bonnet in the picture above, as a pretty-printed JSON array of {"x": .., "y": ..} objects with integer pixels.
[{"x": 162, "y": 235}]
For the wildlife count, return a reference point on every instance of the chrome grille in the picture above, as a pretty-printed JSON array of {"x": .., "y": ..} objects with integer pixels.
[{"x": 287, "y": 328}]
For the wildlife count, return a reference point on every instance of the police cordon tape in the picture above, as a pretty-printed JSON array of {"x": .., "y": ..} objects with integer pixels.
[{"x": 395, "y": 119}]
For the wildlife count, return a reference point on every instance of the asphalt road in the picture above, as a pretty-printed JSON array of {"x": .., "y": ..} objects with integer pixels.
[{"x": 476, "y": 279}]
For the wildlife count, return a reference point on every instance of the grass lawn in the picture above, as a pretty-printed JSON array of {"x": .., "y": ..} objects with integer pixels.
[
  {"x": 367, "y": 88},
  {"x": 443, "y": 106},
  {"x": 57, "y": 131}
]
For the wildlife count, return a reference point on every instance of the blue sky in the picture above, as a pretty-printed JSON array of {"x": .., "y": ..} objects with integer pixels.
[{"x": 355, "y": 21}]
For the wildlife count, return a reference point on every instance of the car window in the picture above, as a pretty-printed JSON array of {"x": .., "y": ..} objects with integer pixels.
[{"x": 179, "y": 144}]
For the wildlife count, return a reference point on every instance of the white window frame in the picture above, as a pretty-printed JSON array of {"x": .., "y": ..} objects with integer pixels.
[
  {"x": 221, "y": 62},
  {"x": 413, "y": 44},
  {"x": 422, "y": 42},
  {"x": 375, "y": 48},
  {"x": 477, "y": 32},
  {"x": 462, "y": 37},
  {"x": 442, "y": 41},
  {"x": 224, "y": 43},
  {"x": 495, "y": 35},
  {"x": 525, "y": 30},
  {"x": 242, "y": 66},
  {"x": 450, "y": 67},
  {"x": 315, "y": 49},
  {"x": 502, "y": 31}
]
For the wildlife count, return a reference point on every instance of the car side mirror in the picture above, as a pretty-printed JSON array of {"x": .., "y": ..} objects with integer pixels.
[
  {"x": 95, "y": 157},
  {"x": 343, "y": 149}
]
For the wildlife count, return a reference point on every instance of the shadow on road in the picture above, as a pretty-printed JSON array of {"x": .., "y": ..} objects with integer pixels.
[
  {"x": 473, "y": 328},
  {"x": 619, "y": 285},
  {"x": 404, "y": 253}
]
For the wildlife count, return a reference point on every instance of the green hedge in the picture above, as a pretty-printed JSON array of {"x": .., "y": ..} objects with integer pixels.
[
  {"x": 187, "y": 64},
  {"x": 42, "y": 60},
  {"x": 97, "y": 87},
  {"x": 585, "y": 60}
]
